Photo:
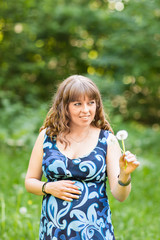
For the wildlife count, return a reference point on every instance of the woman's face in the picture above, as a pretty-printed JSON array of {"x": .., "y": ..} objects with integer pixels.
[{"x": 82, "y": 112}]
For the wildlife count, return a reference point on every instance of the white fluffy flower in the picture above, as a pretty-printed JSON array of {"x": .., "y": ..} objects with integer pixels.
[
  {"x": 23, "y": 210},
  {"x": 122, "y": 135}
]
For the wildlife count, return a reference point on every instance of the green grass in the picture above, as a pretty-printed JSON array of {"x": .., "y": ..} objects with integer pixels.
[
  {"x": 13, "y": 196},
  {"x": 135, "y": 219},
  {"x": 138, "y": 218}
]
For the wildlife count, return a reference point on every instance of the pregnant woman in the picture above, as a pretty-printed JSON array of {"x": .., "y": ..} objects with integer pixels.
[{"x": 77, "y": 151}]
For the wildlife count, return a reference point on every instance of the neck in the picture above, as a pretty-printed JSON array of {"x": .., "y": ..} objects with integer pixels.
[
  {"x": 79, "y": 134},
  {"x": 79, "y": 130}
]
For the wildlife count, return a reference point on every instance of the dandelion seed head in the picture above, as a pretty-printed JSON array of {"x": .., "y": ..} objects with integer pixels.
[{"x": 122, "y": 135}]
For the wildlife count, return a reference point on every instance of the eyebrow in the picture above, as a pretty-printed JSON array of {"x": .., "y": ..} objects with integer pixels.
[{"x": 79, "y": 100}]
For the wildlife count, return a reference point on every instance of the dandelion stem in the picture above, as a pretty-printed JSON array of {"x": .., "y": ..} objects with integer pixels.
[
  {"x": 122, "y": 150},
  {"x": 123, "y": 146}
]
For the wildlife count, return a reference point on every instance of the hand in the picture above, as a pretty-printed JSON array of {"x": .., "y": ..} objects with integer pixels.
[
  {"x": 63, "y": 189},
  {"x": 128, "y": 163}
]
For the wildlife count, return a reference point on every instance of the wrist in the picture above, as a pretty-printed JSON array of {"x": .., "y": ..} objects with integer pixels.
[
  {"x": 124, "y": 180},
  {"x": 123, "y": 176},
  {"x": 44, "y": 186}
]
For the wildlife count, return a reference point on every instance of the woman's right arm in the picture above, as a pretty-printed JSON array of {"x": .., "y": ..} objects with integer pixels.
[
  {"x": 33, "y": 181},
  {"x": 63, "y": 189}
]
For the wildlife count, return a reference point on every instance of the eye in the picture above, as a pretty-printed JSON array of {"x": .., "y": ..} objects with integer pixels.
[
  {"x": 92, "y": 102},
  {"x": 77, "y": 104}
]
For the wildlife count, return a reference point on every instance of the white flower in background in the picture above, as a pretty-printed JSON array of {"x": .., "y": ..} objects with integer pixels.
[
  {"x": 23, "y": 175},
  {"x": 23, "y": 210},
  {"x": 119, "y": 6},
  {"x": 122, "y": 135}
]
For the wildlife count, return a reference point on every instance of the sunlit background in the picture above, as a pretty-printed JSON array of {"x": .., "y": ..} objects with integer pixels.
[{"x": 117, "y": 44}]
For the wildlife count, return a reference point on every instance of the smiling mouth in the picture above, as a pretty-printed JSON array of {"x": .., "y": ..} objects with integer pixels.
[{"x": 85, "y": 117}]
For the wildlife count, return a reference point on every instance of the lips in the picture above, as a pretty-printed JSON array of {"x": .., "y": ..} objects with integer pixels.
[{"x": 85, "y": 117}]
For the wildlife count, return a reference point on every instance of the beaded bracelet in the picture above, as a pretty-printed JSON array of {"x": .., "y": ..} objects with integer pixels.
[
  {"x": 43, "y": 188},
  {"x": 124, "y": 184}
]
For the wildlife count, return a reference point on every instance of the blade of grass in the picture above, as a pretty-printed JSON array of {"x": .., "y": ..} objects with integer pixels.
[{"x": 3, "y": 215}]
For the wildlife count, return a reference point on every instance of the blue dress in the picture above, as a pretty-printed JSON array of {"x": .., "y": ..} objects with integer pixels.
[{"x": 86, "y": 218}]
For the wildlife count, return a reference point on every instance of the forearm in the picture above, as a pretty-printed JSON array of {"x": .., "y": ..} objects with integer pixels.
[
  {"x": 121, "y": 192},
  {"x": 34, "y": 186}
]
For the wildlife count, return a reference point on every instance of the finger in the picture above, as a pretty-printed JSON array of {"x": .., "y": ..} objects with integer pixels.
[
  {"x": 130, "y": 156},
  {"x": 130, "y": 159},
  {"x": 71, "y": 196},
  {"x": 136, "y": 163},
  {"x": 68, "y": 181},
  {"x": 73, "y": 187},
  {"x": 127, "y": 153},
  {"x": 70, "y": 190},
  {"x": 67, "y": 199}
]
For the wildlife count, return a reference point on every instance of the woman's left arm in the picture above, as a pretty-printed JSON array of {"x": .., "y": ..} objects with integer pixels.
[{"x": 119, "y": 168}]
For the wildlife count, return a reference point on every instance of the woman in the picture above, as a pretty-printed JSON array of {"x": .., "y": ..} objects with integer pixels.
[{"x": 76, "y": 150}]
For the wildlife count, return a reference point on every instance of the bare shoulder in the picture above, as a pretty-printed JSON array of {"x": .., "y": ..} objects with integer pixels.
[
  {"x": 95, "y": 130},
  {"x": 94, "y": 133},
  {"x": 112, "y": 142},
  {"x": 40, "y": 138},
  {"x": 42, "y": 134}
]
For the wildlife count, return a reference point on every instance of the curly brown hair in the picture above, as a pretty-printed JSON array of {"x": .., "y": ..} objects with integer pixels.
[{"x": 70, "y": 90}]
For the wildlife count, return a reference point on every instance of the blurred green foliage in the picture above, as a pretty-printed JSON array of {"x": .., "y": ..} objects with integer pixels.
[
  {"x": 137, "y": 218},
  {"x": 116, "y": 43}
]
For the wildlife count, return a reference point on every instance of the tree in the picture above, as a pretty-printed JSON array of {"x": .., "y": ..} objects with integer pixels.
[{"x": 44, "y": 42}]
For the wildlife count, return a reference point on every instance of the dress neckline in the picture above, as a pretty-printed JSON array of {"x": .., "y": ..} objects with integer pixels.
[{"x": 85, "y": 155}]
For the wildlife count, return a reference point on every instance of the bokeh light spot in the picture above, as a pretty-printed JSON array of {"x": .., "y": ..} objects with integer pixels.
[
  {"x": 93, "y": 54},
  {"x": 119, "y": 6},
  {"x": 91, "y": 70},
  {"x": 18, "y": 28}
]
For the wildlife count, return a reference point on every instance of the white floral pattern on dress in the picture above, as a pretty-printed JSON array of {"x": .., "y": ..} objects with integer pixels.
[{"x": 86, "y": 218}]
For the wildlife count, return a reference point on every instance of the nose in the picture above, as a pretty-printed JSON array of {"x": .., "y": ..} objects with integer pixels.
[{"x": 85, "y": 108}]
